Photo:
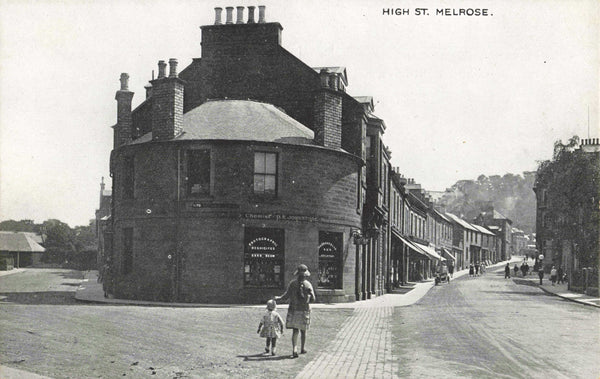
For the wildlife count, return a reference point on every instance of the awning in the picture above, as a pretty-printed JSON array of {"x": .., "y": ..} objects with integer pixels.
[
  {"x": 448, "y": 254},
  {"x": 414, "y": 248},
  {"x": 430, "y": 251}
]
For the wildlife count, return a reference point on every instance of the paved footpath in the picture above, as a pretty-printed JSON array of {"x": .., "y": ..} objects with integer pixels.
[
  {"x": 361, "y": 349},
  {"x": 363, "y": 346}
]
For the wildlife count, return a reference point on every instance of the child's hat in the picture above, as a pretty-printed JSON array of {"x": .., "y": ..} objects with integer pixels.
[{"x": 271, "y": 304}]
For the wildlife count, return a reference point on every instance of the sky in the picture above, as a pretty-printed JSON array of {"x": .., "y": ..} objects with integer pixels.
[{"x": 461, "y": 96}]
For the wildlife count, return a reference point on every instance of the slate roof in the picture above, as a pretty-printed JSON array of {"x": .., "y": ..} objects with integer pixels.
[
  {"x": 461, "y": 222},
  {"x": 19, "y": 242},
  {"x": 483, "y": 230},
  {"x": 244, "y": 120}
]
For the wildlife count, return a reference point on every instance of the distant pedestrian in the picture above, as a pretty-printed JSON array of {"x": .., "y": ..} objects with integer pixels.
[
  {"x": 476, "y": 269},
  {"x": 507, "y": 271},
  {"x": 271, "y": 327},
  {"x": 541, "y": 275},
  {"x": 516, "y": 270},
  {"x": 451, "y": 269},
  {"x": 526, "y": 269},
  {"x": 523, "y": 268},
  {"x": 482, "y": 268},
  {"x": 300, "y": 293},
  {"x": 553, "y": 274},
  {"x": 560, "y": 275},
  {"x": 471, "y": 270}
]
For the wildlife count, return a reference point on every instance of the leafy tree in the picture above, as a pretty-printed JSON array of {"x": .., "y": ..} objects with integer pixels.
[
  {"x": 572, "y": 183},
  {"x": 19, "y": 226}
]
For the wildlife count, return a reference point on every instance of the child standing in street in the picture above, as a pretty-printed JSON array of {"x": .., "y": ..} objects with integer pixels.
[{"x": 271, "y": 326}]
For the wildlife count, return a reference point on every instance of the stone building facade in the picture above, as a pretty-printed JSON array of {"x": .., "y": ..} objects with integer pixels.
[{"x": 217, "y": 198}]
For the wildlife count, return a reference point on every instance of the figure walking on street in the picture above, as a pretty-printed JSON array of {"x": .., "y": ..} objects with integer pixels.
[
  {"x": 300, "y": 293},
  {"x": 476, "y": 269},
  {"x": 271, "y": 327},
  {"x": 471, "y": 270},
  {"x": 560, "y": 275},
  {"x": 553, "y": 274},
  {"x": 507, "y": 271},
  {"x": 516, "y": 270},
  {"x": 541, "y": 275}
]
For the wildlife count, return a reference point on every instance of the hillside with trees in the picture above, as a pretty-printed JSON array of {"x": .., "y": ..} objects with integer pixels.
[{"x": 512, "y": 195}]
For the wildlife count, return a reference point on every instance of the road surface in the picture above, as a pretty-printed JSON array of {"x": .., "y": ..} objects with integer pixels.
[{"x": 491, "y": 327}]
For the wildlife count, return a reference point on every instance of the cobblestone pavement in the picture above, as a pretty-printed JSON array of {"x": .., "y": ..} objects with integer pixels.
[{"x": 361, "y": 349}]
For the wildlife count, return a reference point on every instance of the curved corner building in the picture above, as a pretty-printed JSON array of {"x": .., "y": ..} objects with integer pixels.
[{"x": 217, "y": 198}]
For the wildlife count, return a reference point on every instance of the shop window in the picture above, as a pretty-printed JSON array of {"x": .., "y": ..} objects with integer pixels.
[
  {"x": 128, "y": 178},
  {"x": 265, "y": 173},
  {"x": 198, "y": 172},
  {"x": 330, "y": 259},
  {"x": 263, "y": 257},
  {"x": 127, "y": 250}
]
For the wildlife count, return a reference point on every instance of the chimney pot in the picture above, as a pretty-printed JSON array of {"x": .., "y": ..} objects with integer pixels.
[
  {"x": 218, "y": 11},
  {"x": 240, "y": 15},
  {"x": 162, "y": 66},
  {"x": 251, "y": 14},
  {"x": 229, "y": 11},
  {"x": 124, "y": 81},
  {"x": 261, "y": 14},
  {"x": 172, "y": 68}
]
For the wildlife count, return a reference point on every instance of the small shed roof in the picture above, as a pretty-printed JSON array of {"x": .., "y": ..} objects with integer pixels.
[{"x": 19, "y": 242}]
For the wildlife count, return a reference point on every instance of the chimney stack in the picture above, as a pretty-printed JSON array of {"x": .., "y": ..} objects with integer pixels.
[
  {"x": 124, "y": 126},
  {"x": 167, "y": 103},
  {"x": 261, "y": 14},
  {"x": 240, "y": 15},
  {"x": 327, "y": 119},
  {"x": 218, "y": 11},
  {"x": 229, "y": 11},
  {"x": 251, "y": 14}
]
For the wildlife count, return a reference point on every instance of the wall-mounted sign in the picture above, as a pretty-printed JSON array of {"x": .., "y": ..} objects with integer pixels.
[
  {"x": 280, "y": 217},
  {"x": 211, "y": 205}
]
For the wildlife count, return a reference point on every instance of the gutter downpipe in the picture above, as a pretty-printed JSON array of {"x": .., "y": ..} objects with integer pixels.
[{"x": 178, "y": 257}]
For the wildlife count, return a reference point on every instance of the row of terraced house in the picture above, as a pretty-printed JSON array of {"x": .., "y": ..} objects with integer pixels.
[{"x": 249, "y": 162}]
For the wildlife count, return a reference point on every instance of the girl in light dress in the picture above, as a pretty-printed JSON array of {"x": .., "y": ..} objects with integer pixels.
[{"x": 271, "y": 327}]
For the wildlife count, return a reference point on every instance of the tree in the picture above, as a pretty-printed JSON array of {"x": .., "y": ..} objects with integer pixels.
[{"x": 572, "y": 184}]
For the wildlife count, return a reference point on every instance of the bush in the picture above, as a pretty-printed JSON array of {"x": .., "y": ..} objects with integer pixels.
[{"x": 7, "y": 263}]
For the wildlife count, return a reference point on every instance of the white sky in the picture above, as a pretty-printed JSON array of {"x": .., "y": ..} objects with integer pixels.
[{"x": 461, "y": 96}]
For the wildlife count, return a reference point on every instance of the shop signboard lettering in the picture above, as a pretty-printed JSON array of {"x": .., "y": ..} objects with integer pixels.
[
  {"x": 330, "y": 259},
  {"x": 263, "y": 257}
]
